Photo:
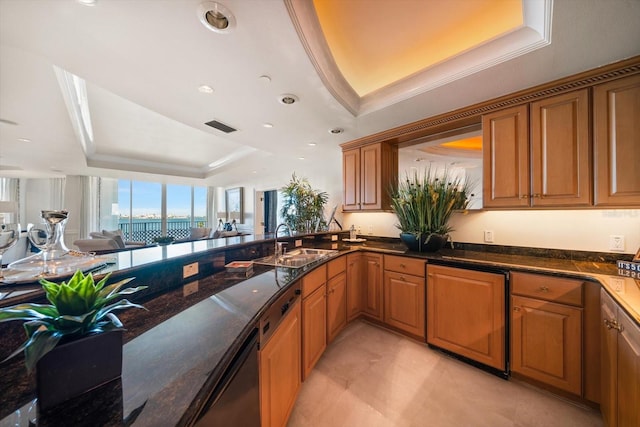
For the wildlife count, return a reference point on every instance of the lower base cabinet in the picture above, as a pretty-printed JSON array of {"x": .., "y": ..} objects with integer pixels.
[
  {"x": 466, "y": 313},
  {"x": 314, "y": 328},
  {"x": 546, "y": 342},
  {"x": 280, "y": 368},
  {"x": 336, "y": 305},
  {"x": 620, "y": 369}
]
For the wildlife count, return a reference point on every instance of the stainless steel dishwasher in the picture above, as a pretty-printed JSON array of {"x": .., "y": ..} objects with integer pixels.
[{"x": 236, "y": 399}]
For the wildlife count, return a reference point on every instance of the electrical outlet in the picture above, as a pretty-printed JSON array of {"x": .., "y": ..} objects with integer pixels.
[
  {"x": 616, "y": 243},
  {"x": 488, "y": 236},
  {"x": 189, "y": 270}
]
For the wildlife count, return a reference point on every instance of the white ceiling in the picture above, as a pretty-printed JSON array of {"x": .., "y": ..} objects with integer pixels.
[{"x": 143, "y": 61}]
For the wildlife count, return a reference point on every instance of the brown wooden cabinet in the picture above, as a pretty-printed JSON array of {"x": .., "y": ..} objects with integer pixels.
[
  {"x": 550, "y": 166},
  {"x": 616, "y": 108},
  {"x": 546, "y": 330},
  {"x": 555, "y": 333},
  {"x": 368, "y": 172},
  {"x": 404, "y": 294},
  {"x": 546, "y": 342},
  {"x": 280, "y": 367},
  {"x": 620, "y": 366},
  {"x": 336, "y": 297},
  {"x": 506, "y": 170},
  {"x": 372, "y": 285},
  {"x": 561, "y": 150},
  {"x": 355, "y": 293},
  {"x": 466, "y": 313},
  {"x": 314, "y": 318}
]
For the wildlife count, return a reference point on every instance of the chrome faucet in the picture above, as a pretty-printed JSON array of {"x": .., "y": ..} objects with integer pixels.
[{"x": 279, "y": 246}]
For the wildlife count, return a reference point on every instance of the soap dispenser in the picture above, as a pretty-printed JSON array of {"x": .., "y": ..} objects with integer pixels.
[{"x": 352, "y": 232}]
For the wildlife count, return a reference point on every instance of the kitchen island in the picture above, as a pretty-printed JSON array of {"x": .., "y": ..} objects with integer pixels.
[{"x": 175, "y": 352}]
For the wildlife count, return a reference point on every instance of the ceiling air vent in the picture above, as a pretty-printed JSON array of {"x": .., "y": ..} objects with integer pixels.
[{"x": 220, "y": 126}]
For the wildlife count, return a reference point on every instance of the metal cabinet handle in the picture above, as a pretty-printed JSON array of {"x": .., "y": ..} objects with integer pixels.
[
  {"x": 525, "y": 196},
  {"x": 544, "y": 289},
  {"x": 537, "y": 196},
  {"x": 613, "y": 324},
  {"x": 402, "y": 265},
  {"x": 516, "y": 308}
]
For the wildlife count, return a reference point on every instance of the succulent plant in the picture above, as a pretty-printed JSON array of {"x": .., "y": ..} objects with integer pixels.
[{"x": 78, "y": 307}]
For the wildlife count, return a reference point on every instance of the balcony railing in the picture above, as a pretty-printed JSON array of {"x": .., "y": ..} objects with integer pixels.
[{"x": 146, "y": 231}]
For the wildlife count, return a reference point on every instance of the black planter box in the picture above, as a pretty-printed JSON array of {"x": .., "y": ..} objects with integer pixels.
[{"x": 78, "y": 366}]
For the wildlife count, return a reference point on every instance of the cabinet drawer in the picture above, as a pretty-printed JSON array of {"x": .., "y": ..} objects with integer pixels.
[
  {"x": 557, "y": 289},
  {"x": 405, "y": 265},
  {"x": 336, "y": 266},
  {"x": 313, "y": 280}
]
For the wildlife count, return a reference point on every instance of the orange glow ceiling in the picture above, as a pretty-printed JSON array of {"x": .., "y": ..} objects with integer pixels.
[
  {"x": 474, "y": 143},
  {"x": 378, "y": 42}
]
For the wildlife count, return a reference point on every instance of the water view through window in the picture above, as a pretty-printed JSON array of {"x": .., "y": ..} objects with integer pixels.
[{"x": 141, "y": 216}]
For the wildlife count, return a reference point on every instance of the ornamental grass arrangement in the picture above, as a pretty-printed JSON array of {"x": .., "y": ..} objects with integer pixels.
[
  {"x": 424, "y": 202},
  {"x": 79, "y": 307}
]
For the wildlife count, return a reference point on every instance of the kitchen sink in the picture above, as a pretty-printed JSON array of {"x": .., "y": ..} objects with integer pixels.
[{"x": 296, "y": 258}]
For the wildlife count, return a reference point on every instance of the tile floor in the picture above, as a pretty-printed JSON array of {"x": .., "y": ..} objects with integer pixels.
[{"x": 372, "y": 377}]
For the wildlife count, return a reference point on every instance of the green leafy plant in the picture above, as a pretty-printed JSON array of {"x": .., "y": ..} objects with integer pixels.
[
  {"x": 163, "y": 239},
  {"x": 424, "y": 202},
  {"x": 303, "y": 207},
  {"x": 78, "y": 307}
]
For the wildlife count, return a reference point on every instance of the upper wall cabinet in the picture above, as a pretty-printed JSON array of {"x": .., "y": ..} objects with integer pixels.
[
  {"x": 616, "y": 117},
  {"x": 538, "y": 155},
  {"x": 368, "y": 173},
  {"x": 505, "y": 166}
]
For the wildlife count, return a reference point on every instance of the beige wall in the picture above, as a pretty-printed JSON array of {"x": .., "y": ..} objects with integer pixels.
[{"x": 587, "y": 230}]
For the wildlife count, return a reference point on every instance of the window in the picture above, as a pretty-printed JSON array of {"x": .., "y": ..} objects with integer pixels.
[{"x": 138, "y": 208}]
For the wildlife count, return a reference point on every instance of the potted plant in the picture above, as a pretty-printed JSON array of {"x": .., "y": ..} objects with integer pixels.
[
  {"x": 163, "y": 240},
  {"x": 423, "y": 203},
  {"x": 303, "y": 207},
  {"x": 74, "y": 343}
]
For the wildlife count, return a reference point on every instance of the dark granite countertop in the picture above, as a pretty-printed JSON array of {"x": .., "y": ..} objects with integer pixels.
[{"x": 178, "y": 348}]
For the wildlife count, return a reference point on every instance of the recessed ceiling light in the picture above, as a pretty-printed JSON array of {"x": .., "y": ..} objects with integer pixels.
[
  {"x": 24, "y": 140},
  {"x": 216, "y": 17},
  {"x": 205, "y": 89},
  {"x": 264, "y": 79},
  {"x": 300, "y": 158},
  {"x": 312, "y": 144},
  {"x": 267, "y": 125},
  {"x": 336, "y": 131},
  {"x": 287, "y": 99},
  {"x": 89, "y": 3}
]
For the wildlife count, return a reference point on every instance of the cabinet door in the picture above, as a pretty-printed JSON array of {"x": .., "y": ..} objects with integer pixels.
[
  {"x": 546, "y": 343},
  {"x": 373, "y": 285},
  {"x": 505, "y": 146},
  {"x": 466, "y": 313},
  {"x": 355, "y": 291},
  {"x": 371, "y": 177},
  {"x": 628, "y": 372},
  {"x": 280, "y": 367},
  {"x": 314, "y": 328},
  {"x": 404, "y": 302},
  {"x": 351, "y": 179},
  {"x": 560, "y": 147},
  {"x": 336, "y": 305},
  {"x": 616, "y": 108},
  {"x": 608, "y": 361}
]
